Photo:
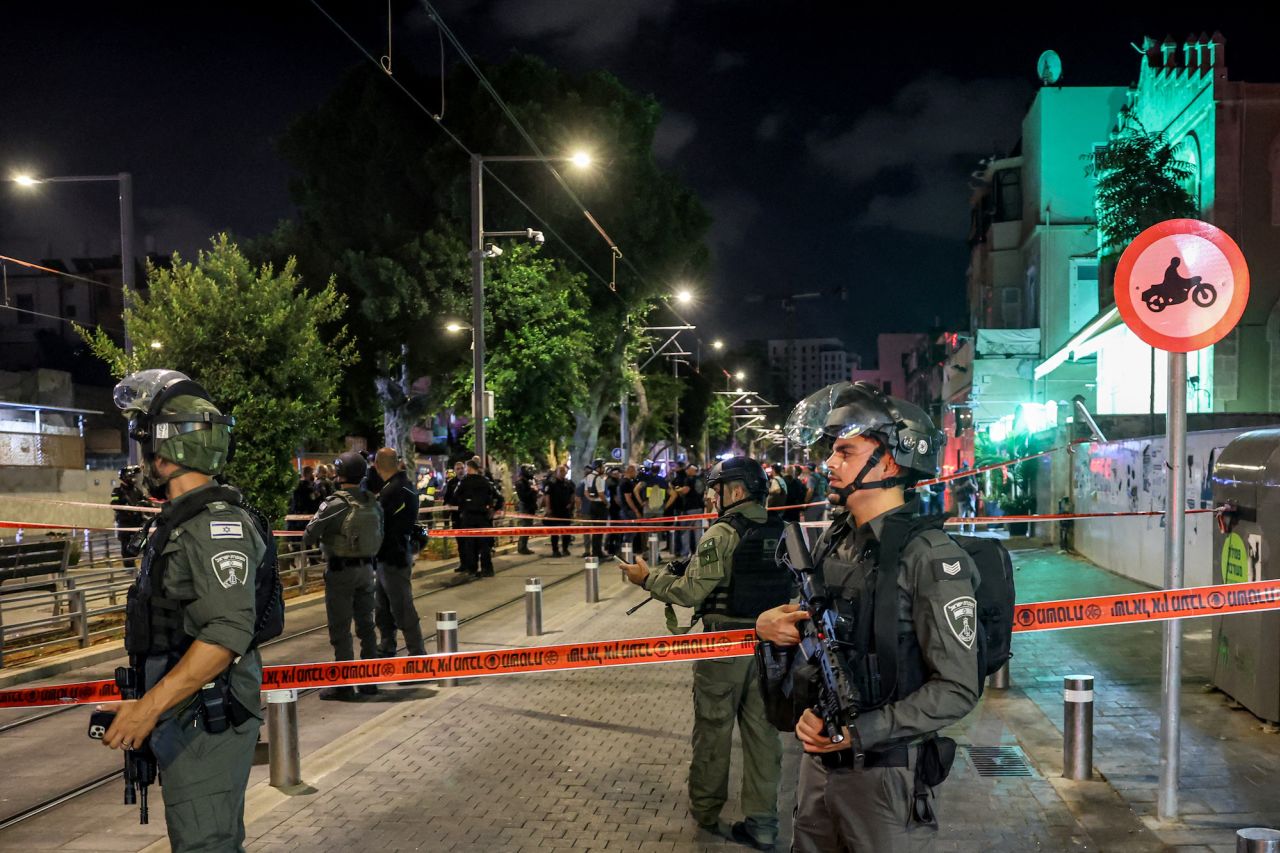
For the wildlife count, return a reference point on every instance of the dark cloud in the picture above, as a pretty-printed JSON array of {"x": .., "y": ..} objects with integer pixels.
[
  {"x": 674, "y": 133},
  {"x": 926, "y": 138},
  {"x": 727, "y": 60},
  {"x": 583, "y": 27},
  {"x": 733, "y": 213},
  {"x": 767, "y": 130}
]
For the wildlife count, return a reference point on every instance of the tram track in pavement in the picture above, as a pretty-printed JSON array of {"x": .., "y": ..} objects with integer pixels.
[{"x": 99, "y": 780}]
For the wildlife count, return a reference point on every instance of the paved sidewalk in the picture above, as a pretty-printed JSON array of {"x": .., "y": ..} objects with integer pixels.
[{"x": 596, "y": 760}]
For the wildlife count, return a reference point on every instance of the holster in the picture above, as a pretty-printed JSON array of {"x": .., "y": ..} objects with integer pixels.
[
  {"x": 787, "y": 684},
  {"x": 933, "y": 765}
]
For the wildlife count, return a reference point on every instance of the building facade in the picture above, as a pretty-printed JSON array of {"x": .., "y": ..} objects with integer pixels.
[{"x": 806, "y": 364}]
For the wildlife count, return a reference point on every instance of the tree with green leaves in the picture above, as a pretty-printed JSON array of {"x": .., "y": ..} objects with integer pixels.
[
  {"x": 539, "y": 343},
  {"x": 372, "y": 173},
  {"x": 1141, "y": 181},
  {"x": 269, "y": 353}
]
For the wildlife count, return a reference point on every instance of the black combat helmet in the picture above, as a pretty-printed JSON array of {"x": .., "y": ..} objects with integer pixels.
[
  {"x": 350, "y": 467},
  {"x": 742, "y": 469},
  {"x": 902, "y": 429}
]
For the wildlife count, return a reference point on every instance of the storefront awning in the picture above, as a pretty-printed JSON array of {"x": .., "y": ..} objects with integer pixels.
[{"x": 1078, "y": 345}]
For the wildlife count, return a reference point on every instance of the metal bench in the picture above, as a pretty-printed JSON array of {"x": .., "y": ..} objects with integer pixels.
[{"x": 47, "y": 556}]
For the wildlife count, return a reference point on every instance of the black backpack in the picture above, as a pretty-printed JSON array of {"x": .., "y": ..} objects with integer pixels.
[{"x": 995, "y": 597}]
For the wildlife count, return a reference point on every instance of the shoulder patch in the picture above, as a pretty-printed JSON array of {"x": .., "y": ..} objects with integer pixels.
[
  {"x": 962, "y": 619},
  {"x": 232, "y": 568},
  {"x": 955, "y": 569},
  {"x": 226, "y": 530},
  {"x": 707, "y": 553}
]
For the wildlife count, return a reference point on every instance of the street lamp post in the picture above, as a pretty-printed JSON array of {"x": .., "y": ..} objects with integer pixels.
[{"x": 478, "y": 234}]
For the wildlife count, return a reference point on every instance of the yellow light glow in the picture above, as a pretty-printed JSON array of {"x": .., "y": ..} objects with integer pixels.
[
  {"x": 581, "y": 159},
  {"x": 717, "y": 344},
  {"x": 157, "y": 345},
  {"x": 454, "y": 327},
  {"x": 25, "y": 180}
]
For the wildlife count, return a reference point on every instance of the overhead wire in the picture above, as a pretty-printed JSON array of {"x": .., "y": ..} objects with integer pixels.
[
  {"x": 453, "y": 137},
  {"x": 62, "y": 273},
  {"x": 55, "y": 317}
]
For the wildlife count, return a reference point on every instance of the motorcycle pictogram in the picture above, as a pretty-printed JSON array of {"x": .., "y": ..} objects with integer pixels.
[{"x": 1175, "y": 289}]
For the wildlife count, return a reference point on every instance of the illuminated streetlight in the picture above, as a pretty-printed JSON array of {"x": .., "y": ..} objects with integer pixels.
[
  {"x": 156, "y": 345},
  {"x": 455, "y": 326},
  {"x": 740, "y": 375},
  {"x": 25, "y": 180},
  {"x": 580, "y": 159},
  {"x": 684, "y": 297},
  {"x": 717, "y": 345}
]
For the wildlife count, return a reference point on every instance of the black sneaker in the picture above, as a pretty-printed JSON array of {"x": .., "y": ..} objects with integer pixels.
[
  {"x": 340, "y": 694},
  {"x": 739, "y": 833}
]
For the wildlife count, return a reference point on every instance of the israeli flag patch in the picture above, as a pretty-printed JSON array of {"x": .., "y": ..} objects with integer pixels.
[{"x": 226, "y": 530}]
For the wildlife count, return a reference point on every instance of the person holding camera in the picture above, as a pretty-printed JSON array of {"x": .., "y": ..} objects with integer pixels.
[{"x": 729, "y": 581}]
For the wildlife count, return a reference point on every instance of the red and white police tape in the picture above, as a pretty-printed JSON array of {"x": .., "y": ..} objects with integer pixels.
[{"x": 1141, "y": 607}]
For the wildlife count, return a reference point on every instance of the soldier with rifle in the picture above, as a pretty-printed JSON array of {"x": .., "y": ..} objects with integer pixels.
[{"x": 206, "y": 595}]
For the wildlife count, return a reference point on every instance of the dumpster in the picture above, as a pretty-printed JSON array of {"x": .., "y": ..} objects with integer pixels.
[{"x": 1246, "y": 659}]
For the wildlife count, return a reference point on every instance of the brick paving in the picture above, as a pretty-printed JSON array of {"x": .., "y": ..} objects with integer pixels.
[{"x": 596, "y": 760}]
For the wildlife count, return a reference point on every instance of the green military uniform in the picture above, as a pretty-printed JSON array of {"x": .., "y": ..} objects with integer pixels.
[
  {"x": 350, "y": 583},
  {"x": 210, "y": 563},
  {"x": 724, "y": 689},
  {"x": 870, "y": 809}
]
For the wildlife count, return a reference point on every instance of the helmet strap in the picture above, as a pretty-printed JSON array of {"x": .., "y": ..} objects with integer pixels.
[{"x": 859, "y": 483}]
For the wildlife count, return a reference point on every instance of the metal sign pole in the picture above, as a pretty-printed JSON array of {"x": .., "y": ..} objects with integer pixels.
[{"x": 1174, "y": 546}]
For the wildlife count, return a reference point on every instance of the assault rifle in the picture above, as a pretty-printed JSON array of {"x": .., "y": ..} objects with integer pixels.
[
  {"x": 139, "y": 763},
  {"x": 675, "y": 567},
  {"x": 818, "y": 642}
]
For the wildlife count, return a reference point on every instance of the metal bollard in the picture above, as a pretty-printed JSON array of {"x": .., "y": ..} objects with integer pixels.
[
  {"x": 999, "y": 680},
  {"x": 592, "y": 574},
  {"x": 1077, "y": 743},
  {"x": 655, "y": 553},
  {"x": 447, "y": 639},
  {"x": 282, "y": 738},
  {"x": 533, "y": 607},
  {"x": 1257, "y": 840}
]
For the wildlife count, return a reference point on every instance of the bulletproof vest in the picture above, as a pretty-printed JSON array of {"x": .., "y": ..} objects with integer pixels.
[
  {"x": 359, "y": 535},
  {"x": 153, "y": 622},
  {"x": 873, "y": 614},
  {"x": 756, "y": 583}
]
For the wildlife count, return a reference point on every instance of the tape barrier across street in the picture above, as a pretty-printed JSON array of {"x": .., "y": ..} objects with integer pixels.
[
  {"x": 628, "y": 652},
  {"x": 1143, "y": 607},
  {"x": 547, "y": 531}
]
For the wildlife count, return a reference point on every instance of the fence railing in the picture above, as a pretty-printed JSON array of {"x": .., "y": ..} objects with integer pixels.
[{"x": 87, "y": 604}]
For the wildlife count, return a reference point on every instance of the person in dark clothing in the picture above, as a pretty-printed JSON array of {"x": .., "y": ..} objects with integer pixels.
[
  {"x": 631, "y": 509},
  {"x": 451, "y": 492},
  {"x": 394, "y": 608},
  {"x": 558, "y": 498},
  {"x": 613, "y": 492},
  {"x": 304, "y": 500},
  {"x": 476, "y": 498},
  {"x": 527, "y": 500},
  {"x": 127, "y": 493},
  {"x": 595, "y": 504},
  {"x": 796, "y": 490}
]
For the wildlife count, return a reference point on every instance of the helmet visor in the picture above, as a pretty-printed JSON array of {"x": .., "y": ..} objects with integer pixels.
[{"x": 808, "y": 420}]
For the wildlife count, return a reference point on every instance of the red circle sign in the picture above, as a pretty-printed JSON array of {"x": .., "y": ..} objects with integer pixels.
[{"x": 1182, "y": 285}]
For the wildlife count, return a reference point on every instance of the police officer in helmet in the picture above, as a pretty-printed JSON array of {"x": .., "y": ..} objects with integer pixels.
[
  {"x": 729, "y": 581},
  {"x": 191, "y": 619},
  {"x": 874, "y": 791},
  {"x": 348, "y": 526},
  {"x": 127, "y": 493}
]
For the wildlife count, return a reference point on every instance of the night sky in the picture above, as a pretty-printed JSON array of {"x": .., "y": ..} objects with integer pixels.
[{"x": 831, "y": 148}]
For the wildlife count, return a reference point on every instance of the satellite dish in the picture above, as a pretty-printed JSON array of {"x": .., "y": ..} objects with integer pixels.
[{"x": 1049, "y": 67}]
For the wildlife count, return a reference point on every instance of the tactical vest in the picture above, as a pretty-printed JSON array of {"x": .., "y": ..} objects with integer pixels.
[
  {"x": 855, "y": 586},
  {"x": 756, "y": 583},
  {"x": 153, "y": 621}
]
